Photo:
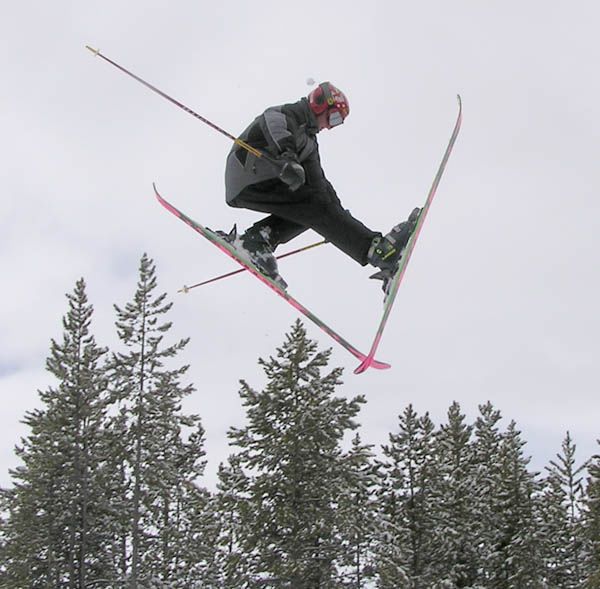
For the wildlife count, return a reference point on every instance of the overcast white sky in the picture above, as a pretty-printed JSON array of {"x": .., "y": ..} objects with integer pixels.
[{"x": 500, "y": 300}]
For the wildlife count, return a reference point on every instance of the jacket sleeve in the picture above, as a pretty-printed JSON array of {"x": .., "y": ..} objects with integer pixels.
[
  {"x": 279, "y": 131},
  {"x": 315, "y": 176}
]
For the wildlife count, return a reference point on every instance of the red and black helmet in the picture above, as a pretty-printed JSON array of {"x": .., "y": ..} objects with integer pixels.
[{"x": 326, "y": 97}]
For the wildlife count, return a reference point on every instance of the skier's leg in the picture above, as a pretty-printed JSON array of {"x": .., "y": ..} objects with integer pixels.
[
  {"x": 278, "y": 229},
  {"x": 306, "y": 208}
]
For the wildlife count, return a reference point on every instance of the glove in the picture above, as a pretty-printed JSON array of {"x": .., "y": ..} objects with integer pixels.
[{"x": 292, "y": 173}]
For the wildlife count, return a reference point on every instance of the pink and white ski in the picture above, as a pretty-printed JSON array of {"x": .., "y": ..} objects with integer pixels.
[{"x": 394, "y": 284}]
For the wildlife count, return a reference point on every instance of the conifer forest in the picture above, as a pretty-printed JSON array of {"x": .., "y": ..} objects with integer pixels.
[{"x": 109, "y": 491}]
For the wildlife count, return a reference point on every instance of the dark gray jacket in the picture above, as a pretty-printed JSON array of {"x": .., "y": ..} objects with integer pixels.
[{"x": 286, "y": 128}]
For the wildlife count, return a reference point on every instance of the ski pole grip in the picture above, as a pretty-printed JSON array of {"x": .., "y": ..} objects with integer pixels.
[
  {"x": 249, "y": 148},
  {"x": 275, "y": 162}
]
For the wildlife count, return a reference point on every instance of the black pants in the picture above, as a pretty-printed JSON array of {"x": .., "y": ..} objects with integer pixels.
[{"x": 292, "y": 213}]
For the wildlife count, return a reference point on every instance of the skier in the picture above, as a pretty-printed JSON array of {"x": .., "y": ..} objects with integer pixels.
[{"x": 296, "y": 193}]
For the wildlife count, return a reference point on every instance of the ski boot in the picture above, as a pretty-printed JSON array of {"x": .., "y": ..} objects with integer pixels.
[
  {"x": 386, "y": 251},
  {"x": 254, "y": 247}
]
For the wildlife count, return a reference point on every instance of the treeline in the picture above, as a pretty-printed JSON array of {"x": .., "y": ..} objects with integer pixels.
[{"x": 109, "y": 490}]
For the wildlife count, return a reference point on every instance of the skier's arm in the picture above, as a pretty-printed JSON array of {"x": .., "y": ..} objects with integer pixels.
[
  {"x": 315, "y": 176},
  {"x": 278, "y": 130}
]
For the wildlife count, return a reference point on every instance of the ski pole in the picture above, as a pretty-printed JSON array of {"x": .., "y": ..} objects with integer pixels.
[
  {"x": 236, "y": 140},
  {"x": 187, "y": 289}
]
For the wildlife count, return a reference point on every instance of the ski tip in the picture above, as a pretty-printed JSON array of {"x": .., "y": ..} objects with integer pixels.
[
  {"x": 165, "y": 203},
  {"x": 94, "y": 51},
  {"x": 156, "y": 193}
]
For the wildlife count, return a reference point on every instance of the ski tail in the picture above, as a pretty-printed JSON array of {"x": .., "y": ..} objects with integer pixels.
[{"x": 369, "y": 361}]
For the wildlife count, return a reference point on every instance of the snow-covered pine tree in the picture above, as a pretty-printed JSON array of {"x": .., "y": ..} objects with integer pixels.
[
  {"x": 559, "y": 524},
  {"x": 357, "y": 508},
  {"x": 516, "y": 561},
  {"x": 117, "y": 491},
  {"x": 455, "y": 557},
  {"x": 592, "y": 524},
  {"x": 486, "y": 447},
  {"x": 405, "y": 546},
  {"x": 3, "y": 537},
  {"x": 291, "y": 452},
  {"x": 231, "y": 506},
  {"x": 160, "y": 451},
  {"x": 56, "y": 528},
  {"x": 193, "y": 538}
]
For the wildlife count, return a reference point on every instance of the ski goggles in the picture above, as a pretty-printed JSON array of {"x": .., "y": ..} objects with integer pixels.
[{"x": 335, "y": 118}]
